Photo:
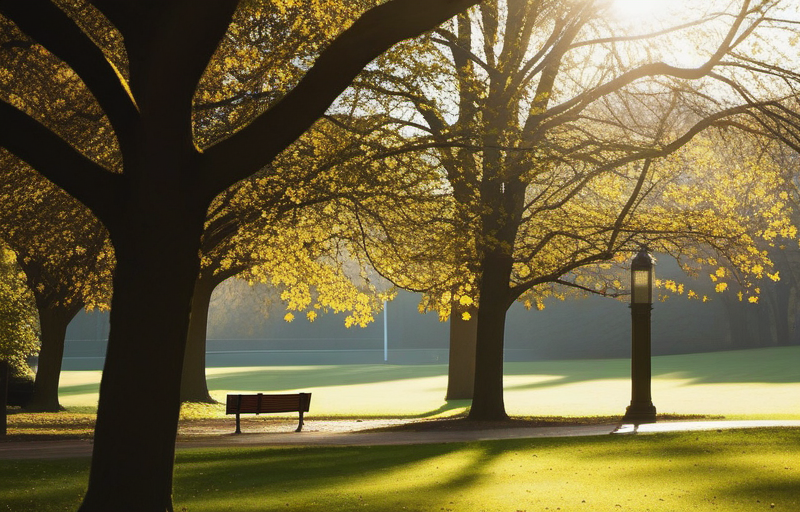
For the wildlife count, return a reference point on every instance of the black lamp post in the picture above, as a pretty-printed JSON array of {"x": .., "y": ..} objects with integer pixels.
[{"x": 641, "y": 409}]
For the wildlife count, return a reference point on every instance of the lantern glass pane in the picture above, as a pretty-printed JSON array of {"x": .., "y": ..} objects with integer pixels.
[{"x": 640, "y": 287}]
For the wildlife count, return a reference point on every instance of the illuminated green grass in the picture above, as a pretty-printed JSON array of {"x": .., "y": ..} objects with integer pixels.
[
  {"x": 762, "y": 383},
  {"x": 732, "y": 471}
]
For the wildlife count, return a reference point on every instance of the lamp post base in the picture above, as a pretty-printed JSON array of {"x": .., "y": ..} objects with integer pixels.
[{"x": 640, "y": 412}]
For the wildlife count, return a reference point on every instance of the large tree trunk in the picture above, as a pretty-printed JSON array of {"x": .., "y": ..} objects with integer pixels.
[
  {"x": 194, "y": 387},
  {"x": 138, "y": 410},
  {"x": 53, "y": 322},
  {"x": 487, "y": 400},
  {"x": 461, "y": 368},
  {"x": 3, "y": 397}
]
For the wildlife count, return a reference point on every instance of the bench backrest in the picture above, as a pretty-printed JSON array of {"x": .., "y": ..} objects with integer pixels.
[{"x": 268, "y": 403}]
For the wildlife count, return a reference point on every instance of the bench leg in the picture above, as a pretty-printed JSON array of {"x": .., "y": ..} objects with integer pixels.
[
  {"x": 300, "y": 425},
  {"x": 238, "y": 427}
]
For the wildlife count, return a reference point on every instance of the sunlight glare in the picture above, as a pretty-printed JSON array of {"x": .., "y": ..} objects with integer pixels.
[{"x": 639, "y": 10}]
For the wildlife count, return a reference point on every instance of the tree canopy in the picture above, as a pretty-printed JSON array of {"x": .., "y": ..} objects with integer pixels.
[
  {"x": 19, "y": 337},
  {"x": 556, "y": 135},
  {"x": 143, "y": 64}
]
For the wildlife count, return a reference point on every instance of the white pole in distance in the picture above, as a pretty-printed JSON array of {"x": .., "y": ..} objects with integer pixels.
[{"x": 385, "y": 335}]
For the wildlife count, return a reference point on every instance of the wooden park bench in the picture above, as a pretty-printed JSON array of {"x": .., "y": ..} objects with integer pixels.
[{"x": 261, "y": 403}]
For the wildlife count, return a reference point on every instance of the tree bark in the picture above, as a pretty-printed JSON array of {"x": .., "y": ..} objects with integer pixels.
[
  {"x": 487, "y": 400},
  {"x": 461, "y": 368},
  {"x": 138, "y": 410},
  {"x": 3, "y": 397},
  {"x": 194, "y": 387},
  {"x": 53, "y": 322}
]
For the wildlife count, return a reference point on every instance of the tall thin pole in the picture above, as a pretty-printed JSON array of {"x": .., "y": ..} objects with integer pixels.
[{"x": 385, "y": 334}]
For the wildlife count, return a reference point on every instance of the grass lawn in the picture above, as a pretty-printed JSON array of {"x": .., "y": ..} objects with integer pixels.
[
  {"x": 745, "y": 470},
  {"x": 747, "y": 384}
]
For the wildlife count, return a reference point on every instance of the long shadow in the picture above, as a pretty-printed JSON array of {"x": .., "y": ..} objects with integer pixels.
[
  {"x": 777, "y": 365},
  {"x": 447, "y": 406},
  {"x": 301, "y": 472},
  {"x": 320, "y": 376},
  {"x": 754, "y": 464},
  {"x": 44, "y": 482},
  {"x": 78, "y": 389}
]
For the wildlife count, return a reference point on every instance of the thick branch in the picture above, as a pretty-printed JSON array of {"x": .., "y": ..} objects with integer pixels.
[
  {"x": 58, "y": 161},
  {"x": 378, "y": 29},
  {"x": 52, "y": 28}
]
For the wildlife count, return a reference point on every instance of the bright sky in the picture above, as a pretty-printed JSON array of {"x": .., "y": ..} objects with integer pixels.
[
  {"x": 639, "y": 10},
  {"x": 679, "y": 48}
]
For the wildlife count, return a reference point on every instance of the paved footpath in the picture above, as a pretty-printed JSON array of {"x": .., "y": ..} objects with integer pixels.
[{"x": 83, "y": 448}]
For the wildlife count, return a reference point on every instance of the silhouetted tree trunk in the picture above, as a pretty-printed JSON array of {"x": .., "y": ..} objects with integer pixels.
[
  {"x": 3, "y": 397},
  {"x": 461, "y": 367},
  {"x": 56, "y": 307},
  {"x": 137, "y": 416},
  {"x": 487, "y": 399},
  {"x": 194, "y": 386},
  {"x": 53, "y": 322}
]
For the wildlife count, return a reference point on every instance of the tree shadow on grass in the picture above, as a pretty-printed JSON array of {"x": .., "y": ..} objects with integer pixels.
[
  {"x": 391, "y": 476},
  {"x": 777, "y": 365},
  {"x": 286, "y": 378},
  {"x": 43, "y": 485},
  {"x": 79, "y": 389},
  {"x": 449, "y": 405}
]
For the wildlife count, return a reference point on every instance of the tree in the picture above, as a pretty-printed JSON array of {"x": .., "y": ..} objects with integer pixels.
[
  {"x": 280, "y": 228},
  {"x": 19, "y": 338},
  {"x": 551, "y": 150},
  {"x": 60, "y": 245},
  {"x": 142, "y": 62},
  {"x": 776, "y": 309},
  {"x": 67, "y": 260}
]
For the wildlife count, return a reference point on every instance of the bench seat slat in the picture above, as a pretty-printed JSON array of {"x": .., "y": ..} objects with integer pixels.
[
  {"x": 269, "y": 403},
  {"x": 261, "y": 403}
]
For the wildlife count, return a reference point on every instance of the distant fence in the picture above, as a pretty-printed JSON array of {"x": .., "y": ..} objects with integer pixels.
[{"x": 81, "y": 355}]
